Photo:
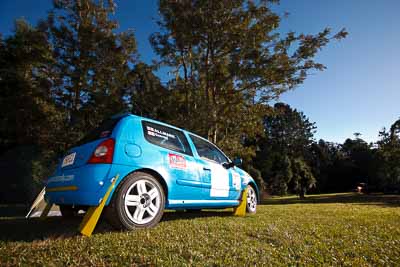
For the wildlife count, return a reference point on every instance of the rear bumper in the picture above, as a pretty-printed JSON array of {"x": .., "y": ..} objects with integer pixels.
[
  {"x": 79, "y": 197},
  {"x": 81, "y": 186}
]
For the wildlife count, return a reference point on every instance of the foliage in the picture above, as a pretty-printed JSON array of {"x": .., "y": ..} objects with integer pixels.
[
  {"x": 303, "y": 178},
  {"x": 277, "y": 172},
  {"x": 147, "y": 96},
  {"x": 284, "y": 149},
  {"x": 29, "y": 111},
  {"x": 389, "y": 156},
  {"x": 229, "y": 61},
  {"x": 288, "y": 131},
  {"x": 92, "y": 63},
  {"x": 31, "y": 119},
  {"x": 329, "y": 165}
]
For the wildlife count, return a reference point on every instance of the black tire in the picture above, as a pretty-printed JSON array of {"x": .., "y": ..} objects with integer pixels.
[
  {"x": 251, "y": 203},
  {"x": 68, "y": 211},
  {"x": 121, "y": 216}
]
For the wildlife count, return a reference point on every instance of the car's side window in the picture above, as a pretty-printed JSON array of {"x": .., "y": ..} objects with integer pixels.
[
  {"x": 166, "y": 137},
  {"x": 207, "y": 150}
]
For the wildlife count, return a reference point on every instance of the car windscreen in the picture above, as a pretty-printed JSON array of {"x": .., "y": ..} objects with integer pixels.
[{"x": 104, "y": 130}]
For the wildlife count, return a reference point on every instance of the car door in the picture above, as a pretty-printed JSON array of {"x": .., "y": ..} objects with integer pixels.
[
  {"x": 216, "y": 179},
  {"x": 178, "y": 160}
]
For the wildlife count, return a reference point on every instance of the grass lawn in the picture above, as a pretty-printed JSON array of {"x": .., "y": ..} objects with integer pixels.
[{"x": 335, "y": 229}]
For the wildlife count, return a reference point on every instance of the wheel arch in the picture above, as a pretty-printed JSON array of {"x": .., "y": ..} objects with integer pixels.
[
  {"x": 153, "y": 173},
  {"x": 254, "y": 185},
  {"x": 159, "y": 178},
  {"x": 150, "y": 171}
]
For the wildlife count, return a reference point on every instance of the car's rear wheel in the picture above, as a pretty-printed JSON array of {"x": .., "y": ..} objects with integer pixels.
[
  {"x": 251, "y": 200},
  {"x": 138, "y": 202}
]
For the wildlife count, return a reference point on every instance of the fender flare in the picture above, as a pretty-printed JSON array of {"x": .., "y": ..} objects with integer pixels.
[
  {"x": 254, "y": 185},
  {"x": 152, "y": 172}
]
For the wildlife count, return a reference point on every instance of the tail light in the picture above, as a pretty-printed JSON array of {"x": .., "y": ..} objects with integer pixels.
[{"x": 104, "y": 152}]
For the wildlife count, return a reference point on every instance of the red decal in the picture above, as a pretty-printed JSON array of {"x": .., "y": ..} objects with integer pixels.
[{"x": 177, "y": 161}]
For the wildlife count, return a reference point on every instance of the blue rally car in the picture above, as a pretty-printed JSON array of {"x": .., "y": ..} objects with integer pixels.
[{"x": 158, "y": 167}]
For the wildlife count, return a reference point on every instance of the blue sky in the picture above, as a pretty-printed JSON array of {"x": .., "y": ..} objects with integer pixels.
[{"x": 359, "y": 91}]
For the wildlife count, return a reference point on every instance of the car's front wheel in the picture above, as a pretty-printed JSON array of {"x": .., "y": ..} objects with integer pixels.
[
  {"x": 138, "y": 202},
  {"x": 251, "y": 200}
]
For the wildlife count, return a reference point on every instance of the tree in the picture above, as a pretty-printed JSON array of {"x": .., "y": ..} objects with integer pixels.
[
  {"x": 229, "y": 60},
  {"x": 289, "y": 131},
  {"x": 92, "y": 67},
  {"x": 277, "y": 172},
  {"x": 25, "y": 87},
  {"x": 325, "y": 160},
  {"x": 361, "y": 157},
  {"x": 147, "y": 96},
  {"x": 303, "y": 178},
  {"x": 284, "y": 152},
  {"x": 58, "y": 80},
  {"x": 389, "y": 157},
  {"x": 29, "y": 115}
]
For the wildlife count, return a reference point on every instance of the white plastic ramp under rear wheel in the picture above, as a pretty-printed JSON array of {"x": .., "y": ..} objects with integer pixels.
[{"x": 52, "y": 213}]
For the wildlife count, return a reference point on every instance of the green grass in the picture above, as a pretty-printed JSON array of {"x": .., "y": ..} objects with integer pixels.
[{"x": 336, "y": 229}]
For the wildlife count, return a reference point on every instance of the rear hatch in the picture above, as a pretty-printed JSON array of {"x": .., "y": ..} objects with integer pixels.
[{"x": 82, "y": 151}]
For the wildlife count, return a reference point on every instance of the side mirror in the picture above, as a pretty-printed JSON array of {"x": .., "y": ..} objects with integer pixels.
[{"x": 237, "y": 162}]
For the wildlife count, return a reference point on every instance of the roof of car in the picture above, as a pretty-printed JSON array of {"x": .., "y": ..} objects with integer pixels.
[
  {"x": 164, "y": 124},
  {"x": 155, "y": 121}
]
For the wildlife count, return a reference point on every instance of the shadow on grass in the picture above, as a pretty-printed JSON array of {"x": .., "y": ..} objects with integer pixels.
[
  {"x": 35, "y": 229},
  {"x": 21, "y": 229},
  {"x": 13, "y": 210},
  {"x": 360, "y": 199},
  {"x": 188, "y": 215}
]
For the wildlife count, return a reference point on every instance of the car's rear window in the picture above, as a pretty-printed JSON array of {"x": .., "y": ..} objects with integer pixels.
[
  {"x": 166, "y": 137},
  {"x": 104, "y": 130}
]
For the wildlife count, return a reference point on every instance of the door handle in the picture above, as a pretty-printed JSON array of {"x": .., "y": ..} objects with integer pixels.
[{"x": 206, "y": 169}]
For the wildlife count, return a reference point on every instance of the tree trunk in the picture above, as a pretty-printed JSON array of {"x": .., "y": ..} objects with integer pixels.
[{"x": 302, "y": 193}]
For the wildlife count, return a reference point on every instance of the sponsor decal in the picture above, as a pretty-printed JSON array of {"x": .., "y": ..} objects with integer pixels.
[
  {"x": 158, "y": 133},
  {"x": 177, "y": 161},
  {"x": 62, "y": 178}
]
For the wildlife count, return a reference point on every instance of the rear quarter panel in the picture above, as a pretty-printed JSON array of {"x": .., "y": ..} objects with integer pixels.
[{"x": 133, "y": 153}]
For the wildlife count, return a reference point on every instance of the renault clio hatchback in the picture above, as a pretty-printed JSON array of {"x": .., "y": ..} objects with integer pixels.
[{"x": 157, "y": 167}]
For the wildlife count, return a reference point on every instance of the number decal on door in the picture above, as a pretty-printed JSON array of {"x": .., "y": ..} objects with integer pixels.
[{"x": 219, "y": 181}]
